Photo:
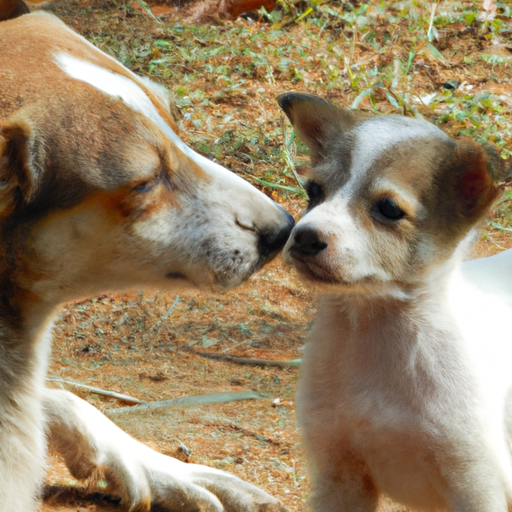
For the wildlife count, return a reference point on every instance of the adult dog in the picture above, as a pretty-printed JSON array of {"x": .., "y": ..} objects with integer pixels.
[
  {"x": 98, "y": 193},
  {"x": 406, "y": 382}
]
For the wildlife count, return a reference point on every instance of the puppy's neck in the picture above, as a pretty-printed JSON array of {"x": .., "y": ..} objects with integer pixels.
[
  {"x": 432, "y": 285},
  {"x": 392, "y": 300}
]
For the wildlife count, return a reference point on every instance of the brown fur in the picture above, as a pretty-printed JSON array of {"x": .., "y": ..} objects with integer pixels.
[
  {"x": 10, "y": 9},
  {"x": 98, "y": 193}
]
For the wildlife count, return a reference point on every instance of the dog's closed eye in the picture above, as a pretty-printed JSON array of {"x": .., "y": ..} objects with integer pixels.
[
  {"x": 387, "y": 209},
  {"x": 144, "y": 187}
]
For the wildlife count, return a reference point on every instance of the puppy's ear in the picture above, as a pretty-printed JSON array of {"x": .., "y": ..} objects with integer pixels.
[
  {"x": 316, "y": 121},
  {"x": 20, "y": 162},
  {"x": 470, "y": 184},
  {"x": 499, "y": 168}
]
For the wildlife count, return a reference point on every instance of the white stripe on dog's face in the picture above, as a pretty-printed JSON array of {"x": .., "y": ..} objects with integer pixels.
[{"x": 132, "y": 94}]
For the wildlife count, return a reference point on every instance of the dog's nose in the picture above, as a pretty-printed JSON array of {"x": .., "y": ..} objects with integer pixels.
[
  {"x": 307, "y": 241},
  {"x": 273, "y": 241}
]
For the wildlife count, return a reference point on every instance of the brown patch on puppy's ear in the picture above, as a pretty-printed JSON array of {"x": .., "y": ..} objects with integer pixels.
[
  {"x": 499, "y": 168},
  {"x": 316, "y": 121},
  {"x": 19, "y": 164},
  {"x": 473, "y": 187}
]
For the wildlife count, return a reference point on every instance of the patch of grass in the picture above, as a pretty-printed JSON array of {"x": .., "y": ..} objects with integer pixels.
[{"x": 387, "y": 57}]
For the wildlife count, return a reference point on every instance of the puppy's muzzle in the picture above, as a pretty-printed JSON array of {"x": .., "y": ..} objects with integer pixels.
[
  {"x": 307, "y": 242},
  {"x": 272, "y": 241}
]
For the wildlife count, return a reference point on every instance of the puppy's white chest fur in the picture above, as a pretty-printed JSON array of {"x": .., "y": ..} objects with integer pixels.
[{"x": 394, "y": 383}]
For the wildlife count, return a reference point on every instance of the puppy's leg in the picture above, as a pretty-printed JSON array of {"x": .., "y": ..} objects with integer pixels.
[
  {"x": 89, "y": 441},
  {"x": 340, "y": 483}
]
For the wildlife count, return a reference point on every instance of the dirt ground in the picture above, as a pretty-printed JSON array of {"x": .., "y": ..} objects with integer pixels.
[{"x": 151, "y": 345}]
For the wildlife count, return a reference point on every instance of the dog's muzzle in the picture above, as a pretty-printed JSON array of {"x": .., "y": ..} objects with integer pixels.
[{"x": 272, "y": 241}]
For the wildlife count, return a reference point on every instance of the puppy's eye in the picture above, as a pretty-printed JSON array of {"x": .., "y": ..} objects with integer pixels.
[
  {"x": 315, "y": 194},
  {"x": 388, "y": 208}
]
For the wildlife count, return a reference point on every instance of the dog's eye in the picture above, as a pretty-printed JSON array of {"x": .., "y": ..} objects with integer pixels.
[
  {"x": 388, "y": 208},
  {"x": 144, "y": 187},
  {"x": 315, "y": 194}
]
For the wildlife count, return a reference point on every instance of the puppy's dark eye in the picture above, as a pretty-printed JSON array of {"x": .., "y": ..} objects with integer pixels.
[
  {"x": 315, "y": 194},
  {"x": 388, "y": 208}
]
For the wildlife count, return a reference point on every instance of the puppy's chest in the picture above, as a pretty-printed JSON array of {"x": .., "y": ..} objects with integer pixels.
[
  {"x": 384, "y": 389},
  {"x": 381, "y": 372}
]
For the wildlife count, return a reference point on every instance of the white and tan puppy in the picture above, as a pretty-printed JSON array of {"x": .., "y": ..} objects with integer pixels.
[
  {"x": 406, "y": 386},
  {"x": 98, "y": 193}
]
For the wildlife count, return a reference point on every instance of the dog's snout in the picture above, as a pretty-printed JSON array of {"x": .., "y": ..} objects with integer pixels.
[
  {"x": 308, "y": 242},
  {"x": 272, "y": 241}
]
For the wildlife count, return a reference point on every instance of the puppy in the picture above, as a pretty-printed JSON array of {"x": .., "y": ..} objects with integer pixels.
[
  {"x": 406, "y": 380},
  {"x": 99, "y": 193}
]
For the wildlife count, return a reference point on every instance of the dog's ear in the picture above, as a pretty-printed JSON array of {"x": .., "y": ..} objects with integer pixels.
[
  {"x": 316, "y": 121},
  {"x": 20, "y": 161},
  {"x": 10, "y": 9},
  {"x": 469, "y": 183}
]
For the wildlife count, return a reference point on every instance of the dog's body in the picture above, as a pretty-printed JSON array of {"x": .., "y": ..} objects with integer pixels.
[
  {"x": 406, "y": 381},
  {"x": 98, "y": 193}
]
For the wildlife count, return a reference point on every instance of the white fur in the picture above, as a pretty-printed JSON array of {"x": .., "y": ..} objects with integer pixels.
[
  {"x": 382, "y": 133},
  {"x": 89, "y": 442},
  {"x": 427, "y": 413}
]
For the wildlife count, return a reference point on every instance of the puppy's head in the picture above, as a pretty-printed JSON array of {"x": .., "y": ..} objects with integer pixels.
[{"x": 390, "y": 197}]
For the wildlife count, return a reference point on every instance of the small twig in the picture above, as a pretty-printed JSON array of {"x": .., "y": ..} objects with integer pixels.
[
  {"x": 430, "y": 31},
  {"x": 98, "y": 391},
  {"x": 208, "y": 398},
  {"x": 294, "y": 363},
  {"x": 165, "y": 316}
]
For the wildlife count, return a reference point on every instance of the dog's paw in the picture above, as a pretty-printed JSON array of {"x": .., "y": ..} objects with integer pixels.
[
  {"x": 149, "y": 478},
  {"x": 92, "y": 445}
]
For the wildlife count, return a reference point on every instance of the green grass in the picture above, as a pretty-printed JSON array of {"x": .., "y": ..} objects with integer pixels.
[{"x": 387, "y": 57}]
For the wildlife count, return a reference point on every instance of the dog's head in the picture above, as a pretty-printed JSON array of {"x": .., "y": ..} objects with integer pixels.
[
  {"x": 390, "y": 197},
  {"x": 97, "y": 190}
]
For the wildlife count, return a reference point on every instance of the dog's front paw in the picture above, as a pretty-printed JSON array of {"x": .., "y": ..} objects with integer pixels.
[
  {"x": 92, "y": 445},
  {"x": 149, "y": 478}
]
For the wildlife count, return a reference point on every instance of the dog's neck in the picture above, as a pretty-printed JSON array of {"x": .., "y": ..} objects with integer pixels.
[{"x": 26, "y": 318}]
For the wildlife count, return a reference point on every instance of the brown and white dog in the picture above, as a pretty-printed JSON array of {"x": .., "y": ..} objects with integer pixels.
[
  {"x": 406, "y": 385},
  {"x": 98, "y": 193}
]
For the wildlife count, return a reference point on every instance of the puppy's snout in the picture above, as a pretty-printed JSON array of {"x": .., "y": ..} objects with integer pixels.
[
  {"x": 273, "y": 240},
  {"x": 308, "y": 242}
]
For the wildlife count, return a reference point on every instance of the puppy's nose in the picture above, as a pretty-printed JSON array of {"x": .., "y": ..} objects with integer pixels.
[
  {"x": 307, "y": 241},
  {"x": 272, "y": 241}
]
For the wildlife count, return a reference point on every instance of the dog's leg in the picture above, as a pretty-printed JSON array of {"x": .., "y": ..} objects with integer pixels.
[
  {"x": 89, "y": 441},
  {"x": 21, "y": 451},
  {"x": 23, "y": 445}
]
